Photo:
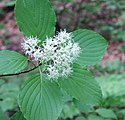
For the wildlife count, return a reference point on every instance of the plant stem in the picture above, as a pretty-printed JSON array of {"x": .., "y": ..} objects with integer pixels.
[{"x": 19, "y": 73}]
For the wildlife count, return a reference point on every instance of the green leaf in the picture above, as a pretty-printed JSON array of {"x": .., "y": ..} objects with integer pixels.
[
  {"x": 11, "y": 62},
  {"x": 112, "y": 85},
  {"x": 9, "y": 87},
  {"x": 69, "y": 111},
  {"x": 35, "y": 18},
  {"x": 1, "y": 82},
  {"x": 10, "y": 3},
  {"x": 94, "y": 117},
  {"x": 93, "y": 47},
  {"x": 106, "y": 113},
  {"x": 7, "y": 104},
  {"x": 82, "y": 107},
  {"x": 17, "y": 116},
  {"x": 81, "y": 118},
  {"x": 40, "y": 101},
  {"x": 82, "y": 86},
  {"x": 3, "y": 116}
]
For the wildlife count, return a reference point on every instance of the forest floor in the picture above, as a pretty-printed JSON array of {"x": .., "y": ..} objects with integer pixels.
[{"x": 10, "y": 38}]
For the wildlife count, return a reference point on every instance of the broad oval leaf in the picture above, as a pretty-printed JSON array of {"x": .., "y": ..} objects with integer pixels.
[
  {"x": 106, "y": 113},
  {"x": 93, "y": 46},
  {"x": 82, "y": 86},
  {"x": 11, "y": 62},
  {"x": 40, "y": 101},
  {"x": 35, "y": 18},
  {"x": 17, "y": 116}
]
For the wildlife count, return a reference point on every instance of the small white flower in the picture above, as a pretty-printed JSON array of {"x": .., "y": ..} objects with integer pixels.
[
  {"x": 58, "y": 53},
  {"x": 30, "y": 45}
]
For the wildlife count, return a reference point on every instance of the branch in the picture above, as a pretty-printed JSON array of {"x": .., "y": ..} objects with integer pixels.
[{"x": 19, "y": 73}]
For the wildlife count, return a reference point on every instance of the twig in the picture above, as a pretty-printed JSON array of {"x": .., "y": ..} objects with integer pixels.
[{"x": 19, "y": 73}]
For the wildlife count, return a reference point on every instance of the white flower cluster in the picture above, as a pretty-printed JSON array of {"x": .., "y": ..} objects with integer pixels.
[{"x": 56, "y": 53}]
